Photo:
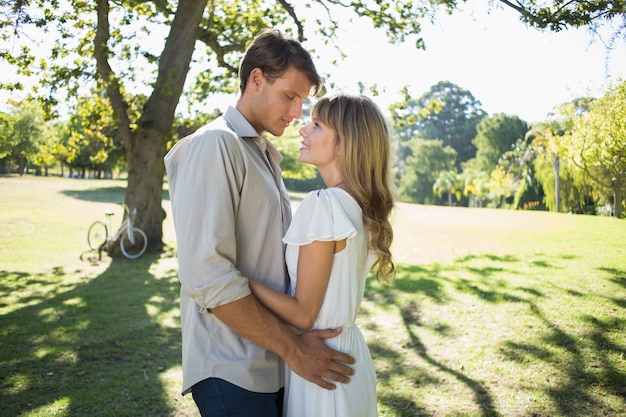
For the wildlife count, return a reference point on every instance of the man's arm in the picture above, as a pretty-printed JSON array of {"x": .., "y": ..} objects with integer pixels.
[{"x": 307, "y": 354}]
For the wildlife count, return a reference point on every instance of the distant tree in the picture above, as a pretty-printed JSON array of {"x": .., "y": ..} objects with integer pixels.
[
  {"x": 429, "y": 158},
  {"x": 7, "y": 141},
  {"x": 545, "y": 138},
  {"x": 519, "y": 162},
  {"x": 27, "y": 131},
  {"x": 575, "y": 192},
  {"x": 476, "y": 186},
  {"x": 496, "y": 135},
  {"x": 449, "y": 183},
  {"x": 46, "y": 155},
  {"x": 502, "y": 185},
  {"x": 597, "y": 144},
  {"x": 445, "y": 112},
  {"x": 90, "y": 140},
  {"x": 404, "y": 119},
  {"x": 548, "y": 140}
]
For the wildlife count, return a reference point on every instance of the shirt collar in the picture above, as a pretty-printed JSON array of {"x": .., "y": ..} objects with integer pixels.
[
  {"x": 274, "y": 153},
  {"x": 244, "y": 129},
  {"x": 239, "y": 124}
]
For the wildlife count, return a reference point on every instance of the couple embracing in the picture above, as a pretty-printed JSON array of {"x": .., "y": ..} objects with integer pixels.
[{"x": 268, "y": 303}]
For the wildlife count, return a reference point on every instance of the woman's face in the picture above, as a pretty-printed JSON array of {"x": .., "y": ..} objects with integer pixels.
[{"x": 318, "y": 146}]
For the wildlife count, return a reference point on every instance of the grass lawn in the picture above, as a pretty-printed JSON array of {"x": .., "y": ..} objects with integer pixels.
[{"x": 494, "y": 313}]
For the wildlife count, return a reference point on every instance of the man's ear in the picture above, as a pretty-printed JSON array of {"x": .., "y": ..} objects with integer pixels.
[{"x": 256, "y": 78}]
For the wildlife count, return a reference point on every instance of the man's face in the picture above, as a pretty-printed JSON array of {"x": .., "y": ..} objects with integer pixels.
[{"x": 276, "y": 104}]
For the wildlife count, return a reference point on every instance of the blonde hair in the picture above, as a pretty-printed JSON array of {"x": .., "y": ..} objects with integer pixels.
[{"x": 364, "y": 160}]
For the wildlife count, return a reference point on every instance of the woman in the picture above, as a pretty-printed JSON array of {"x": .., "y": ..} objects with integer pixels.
[{"x": 337, "y": 235}]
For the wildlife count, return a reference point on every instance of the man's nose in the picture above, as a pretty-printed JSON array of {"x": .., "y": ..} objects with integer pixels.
[{"x": 296, "y": 109}]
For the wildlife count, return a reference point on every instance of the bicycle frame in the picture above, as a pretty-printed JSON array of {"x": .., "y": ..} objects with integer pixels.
[
  {"x": 126, "y": 226},
  {"x": 133, "y": 241}
]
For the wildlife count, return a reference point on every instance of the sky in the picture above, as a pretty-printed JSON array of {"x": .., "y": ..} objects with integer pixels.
[{"x": 507, "y": 66}]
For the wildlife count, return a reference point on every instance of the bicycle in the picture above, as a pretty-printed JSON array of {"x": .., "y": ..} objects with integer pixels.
[{"x": 133, "y": 242}]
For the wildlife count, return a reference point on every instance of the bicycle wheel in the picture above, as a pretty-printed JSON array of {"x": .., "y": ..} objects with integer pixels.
[
  {"x": 134, "y": 250},
  {"x": 97, "y": 235}
]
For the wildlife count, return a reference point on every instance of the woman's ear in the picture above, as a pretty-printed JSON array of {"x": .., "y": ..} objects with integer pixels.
[{"x": 337, "y": 149}]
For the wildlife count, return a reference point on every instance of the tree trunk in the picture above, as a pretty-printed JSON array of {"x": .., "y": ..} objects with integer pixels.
[
  {"x": 145, "y": 145},
  {"x": 145, "y": 183},
  {"x": 617, "y": 199},
  {"x": 146, "y": 149},
  {"x": 557, "y": 184},
  {"x": 22, "y": 165}
]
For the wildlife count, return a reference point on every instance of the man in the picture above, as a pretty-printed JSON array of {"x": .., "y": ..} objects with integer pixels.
[{"x": 230, "y": 210}]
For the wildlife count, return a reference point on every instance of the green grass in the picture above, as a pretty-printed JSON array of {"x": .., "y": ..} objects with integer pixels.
[{"x": 494, "y": 313}]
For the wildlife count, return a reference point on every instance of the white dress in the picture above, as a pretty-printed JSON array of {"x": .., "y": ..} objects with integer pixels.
[{"x": 326, "y": 215}]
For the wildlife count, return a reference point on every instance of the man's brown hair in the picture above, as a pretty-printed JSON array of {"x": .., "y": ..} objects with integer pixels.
[{"x": 274, "y": 54}]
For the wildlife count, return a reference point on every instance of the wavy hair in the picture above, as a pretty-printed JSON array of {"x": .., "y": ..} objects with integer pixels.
[{"x": 364, "y": 160}]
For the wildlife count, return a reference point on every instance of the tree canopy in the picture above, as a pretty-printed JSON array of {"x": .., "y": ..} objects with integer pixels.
[
  {"x": 428, "y": 159},
  {"x": 562, "y": 14},
  {"x": 597, "y": 144},
  {"x": 496, "y": 135},
  {"x": 446, "y": 112}
]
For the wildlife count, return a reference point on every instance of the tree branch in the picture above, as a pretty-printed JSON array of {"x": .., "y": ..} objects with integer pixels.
[
  {"x": 209, "y": 38},
  {"x": 112, "y": 83},
  {"x": 289, "y": 9},
  {"x": 573, "y": 13},
  {"x": 174, "y": 65}
]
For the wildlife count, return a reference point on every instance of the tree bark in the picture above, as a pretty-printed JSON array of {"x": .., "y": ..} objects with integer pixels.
[
  {"x": 557, "y": 184},
  {"x": 145, "y": 145},
  {"x": 617, "y": 198}
]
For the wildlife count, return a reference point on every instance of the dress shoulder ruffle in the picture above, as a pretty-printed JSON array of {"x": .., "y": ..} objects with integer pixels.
[{"x": 321, "y": 217}]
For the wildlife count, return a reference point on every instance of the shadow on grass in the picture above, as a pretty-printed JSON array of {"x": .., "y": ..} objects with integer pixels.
[
  {"x": 98, "y": 194},
  {"x": 587, "y": 361},
  {"x": 92, "y": 347},
  {"x": 591, "y": 365},
  {"x": 113, "y": 195},
  {"x": 98, "y": 346}
]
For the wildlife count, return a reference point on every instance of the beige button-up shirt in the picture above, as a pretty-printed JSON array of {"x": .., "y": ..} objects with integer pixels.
[{"x": 230, "y": 211}]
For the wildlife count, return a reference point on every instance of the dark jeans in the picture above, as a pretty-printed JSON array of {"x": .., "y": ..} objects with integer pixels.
[{"x": 218, "y": 398}]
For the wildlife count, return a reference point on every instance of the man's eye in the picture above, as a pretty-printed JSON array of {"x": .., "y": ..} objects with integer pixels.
[{"x": 291, "y": 98}]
